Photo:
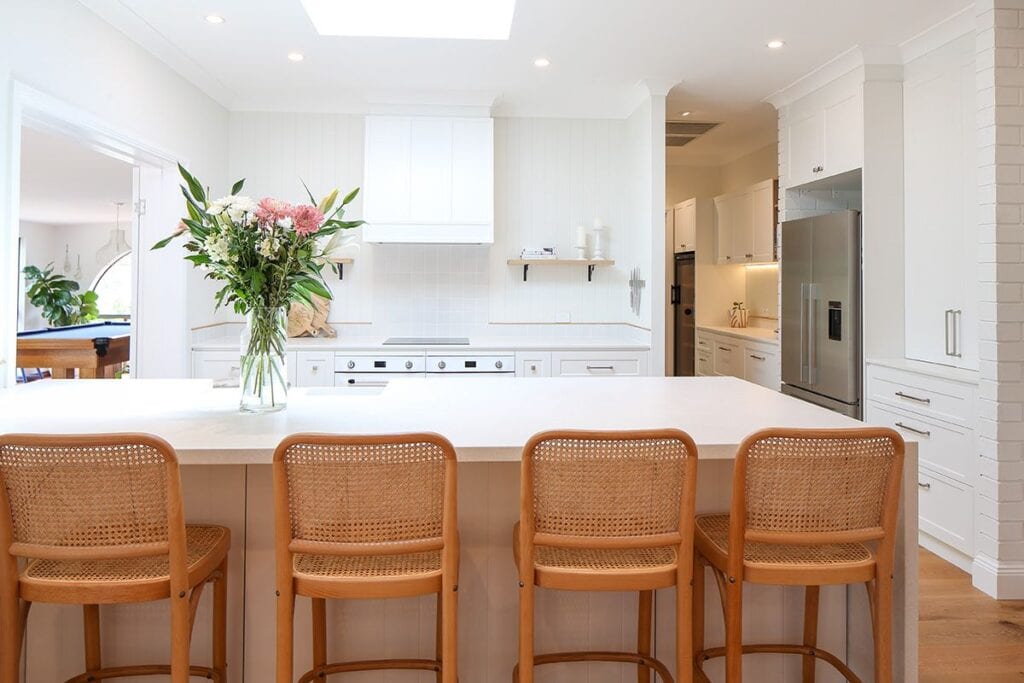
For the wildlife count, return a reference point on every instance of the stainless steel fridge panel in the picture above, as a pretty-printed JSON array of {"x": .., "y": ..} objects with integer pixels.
[
  {"x": 850, "y": 410},
  {"x": 796, "y": 277},
  {"x": 683, "y": 307}
]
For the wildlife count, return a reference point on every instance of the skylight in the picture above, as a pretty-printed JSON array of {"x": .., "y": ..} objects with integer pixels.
[{"x": 453, "y": 19}]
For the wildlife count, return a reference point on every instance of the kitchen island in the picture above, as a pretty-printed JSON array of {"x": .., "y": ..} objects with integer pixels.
[{"x": 226, "y": 476}]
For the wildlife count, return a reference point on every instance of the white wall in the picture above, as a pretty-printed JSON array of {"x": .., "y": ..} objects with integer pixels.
[
  {"x": 38, "y": 244},
  {"x": 60, "y": 48},
  {"x": 550, "y": 175}
]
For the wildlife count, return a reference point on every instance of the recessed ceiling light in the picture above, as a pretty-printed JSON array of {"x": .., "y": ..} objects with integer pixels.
[
  {"x": 295, "y": 56},
  {"x": 542, "y": 62},
  {"x": 214, "y": 19},
  {"x": 685, "y": 113},
  {"x": 454, "y": 19},
  {"x": 775, "y": 44}
]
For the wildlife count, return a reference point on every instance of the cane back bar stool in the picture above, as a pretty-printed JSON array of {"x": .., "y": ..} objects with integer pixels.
[
  {"x": 365, "y": 517},
  {"x": 98, "y": 520},
  {"x": 809, "y": 508},
  {"x": 607, "y": 511}
]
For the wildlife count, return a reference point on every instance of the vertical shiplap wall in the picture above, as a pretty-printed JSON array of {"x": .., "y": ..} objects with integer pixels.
[{"x": 550, "y": 175}]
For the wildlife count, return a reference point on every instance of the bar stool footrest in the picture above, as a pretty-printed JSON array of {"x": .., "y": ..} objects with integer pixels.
[
  {"x": 782, "y": 648},
  {"x": 601, "y": 656},
  {"x": 321, "y": 672},
  {"x": 144, "y": 670}
]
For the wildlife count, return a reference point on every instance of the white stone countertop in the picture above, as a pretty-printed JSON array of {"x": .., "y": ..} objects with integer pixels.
[
  {"x": 488, "y": 420},
  {"x": 757, "y": 334},
  {"x": 376, "y": 344}
]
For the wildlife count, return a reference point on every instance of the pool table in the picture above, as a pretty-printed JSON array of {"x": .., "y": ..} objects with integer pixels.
[{"x": 94, "y": 349}]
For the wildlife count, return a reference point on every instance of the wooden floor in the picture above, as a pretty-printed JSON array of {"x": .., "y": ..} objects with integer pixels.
[{"x": 966, "y": 636}]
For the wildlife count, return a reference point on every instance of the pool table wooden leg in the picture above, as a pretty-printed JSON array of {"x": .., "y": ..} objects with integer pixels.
[
  {"x": 87, "y": 373},
  {"x": 62, "y": 373}
]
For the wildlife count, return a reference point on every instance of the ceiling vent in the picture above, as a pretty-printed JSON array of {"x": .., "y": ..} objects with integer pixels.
[{"x": 679, "y": 133}]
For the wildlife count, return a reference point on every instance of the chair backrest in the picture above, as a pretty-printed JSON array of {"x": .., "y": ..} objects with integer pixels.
[
  {"x": 814, "y": 487},
  {"x": 90, "y": 497},
  {"x": 341, "y": 494},
  {"x": 606, "y": 489}
]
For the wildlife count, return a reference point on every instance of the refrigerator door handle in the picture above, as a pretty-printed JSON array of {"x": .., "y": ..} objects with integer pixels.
[
  {"x": 803, "y": 331},
  {"x": 675, "y": 295},
  {"x": 812, "y": 363}
]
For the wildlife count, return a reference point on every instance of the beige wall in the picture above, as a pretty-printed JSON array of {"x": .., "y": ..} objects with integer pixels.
[
  {"x": 684, "y": 182},
  {"x": 750, "y": 169}
]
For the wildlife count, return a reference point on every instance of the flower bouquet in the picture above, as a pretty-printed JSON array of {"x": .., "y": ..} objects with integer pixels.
[{"x": 269, "y": 255}]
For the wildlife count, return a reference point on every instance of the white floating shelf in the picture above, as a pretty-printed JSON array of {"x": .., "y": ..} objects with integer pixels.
[
  {"x": 589, "y": 263},
  {"x": 339, "y": 266}
]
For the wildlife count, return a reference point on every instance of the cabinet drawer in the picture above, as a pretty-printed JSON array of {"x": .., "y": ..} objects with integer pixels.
[
  {"x": 761, "y": 366},
  {"x": 928, "y": 396},
  {"x": 946, "y": 510},
  {"x": 945, "y": 448},
  {"x": 587, "y": 364},
  {"x": 314, "y": 369},
  {"x": 223, "y": 367},
  {"x": 705, "y": 364},
  {"x": 705, "y": 343},
  {"x": 728, "y": 358}
]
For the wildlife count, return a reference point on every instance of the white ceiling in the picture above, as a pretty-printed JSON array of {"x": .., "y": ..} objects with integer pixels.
[
  {"x": 599, "y": 51},
  {"x": 63, "y": 182}
]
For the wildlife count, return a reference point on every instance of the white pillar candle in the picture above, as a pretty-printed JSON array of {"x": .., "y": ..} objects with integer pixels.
[{"x": 581, "y": 236}]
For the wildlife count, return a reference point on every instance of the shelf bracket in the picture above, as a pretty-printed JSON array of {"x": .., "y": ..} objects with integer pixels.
[
  {"x": 341, "y": 270},
  {"x": 590, "y": 272},
  {"x": 526, "y": 269}
]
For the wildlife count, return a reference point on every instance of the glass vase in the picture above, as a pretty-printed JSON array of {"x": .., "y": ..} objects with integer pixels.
[{"x": 264, "y": 373}]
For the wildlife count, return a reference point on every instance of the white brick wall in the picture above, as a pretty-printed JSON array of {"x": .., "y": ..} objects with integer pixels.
[{"x": 999, "y": 567}]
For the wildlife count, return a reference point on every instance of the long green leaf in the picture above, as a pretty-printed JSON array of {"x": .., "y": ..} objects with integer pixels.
[
  {"x": 163, "y": 243},
  {"x": 237, "y": 187},
  {"x": 193, "y": 185}
]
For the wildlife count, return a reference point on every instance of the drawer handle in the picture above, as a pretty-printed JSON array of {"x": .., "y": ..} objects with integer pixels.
[
  {"x": 600, "y": 367},
  {"x": 724, "y": 348},
  {"x": 757, "y": 357},
  {"x": 367, "y": 383},
  {"x": 923, "y": 485},
  {"x": 909, "y": 397},
  {"x": 911, "y": 429}
]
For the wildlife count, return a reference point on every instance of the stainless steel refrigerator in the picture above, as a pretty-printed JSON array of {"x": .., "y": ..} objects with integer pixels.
[
  {"x": 682, "y": 307},
  {"x": 821, "y": 311}
]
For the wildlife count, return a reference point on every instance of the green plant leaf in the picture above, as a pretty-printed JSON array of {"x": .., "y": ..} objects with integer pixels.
[
  {"x": 349, "y": 197},
  {"x": 162, "y": 243},
  {"x": 237, "y": 187},
  {"x": 193, "y": 185}
]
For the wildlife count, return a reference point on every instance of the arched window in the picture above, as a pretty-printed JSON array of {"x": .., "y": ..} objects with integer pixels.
[{"x": 113, "y": 287}]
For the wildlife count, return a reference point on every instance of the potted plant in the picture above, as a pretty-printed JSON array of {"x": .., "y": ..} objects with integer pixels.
[
  {"x": 58, "y": 298},
  {"x": 738, "y": 315},
  {"x": 269, "y": 254}
]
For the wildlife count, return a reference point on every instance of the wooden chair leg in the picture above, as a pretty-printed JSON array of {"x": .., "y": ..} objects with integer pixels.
[
  {"x": 811, "y": 594},
  {"x": 733, "y": 630},
  {"x": 91, "y": 624},
  {"x": 319, "y": 610},
  {"x": 181, "y": 636},
  {"x": 220, "y": 622},
  {"x": 10, "y": 636},
  {"x": 449, "y": 630},
  {"x": 883, "y": 628},
  {"x": 697, "y": 609},
  {"x": 439, "y": 635},
  {"x": 643, "y": 633},
  {"x": 285, "y": 634},
  {"x": 684, "y": 624},
  {"x": 526, "y": 633}
]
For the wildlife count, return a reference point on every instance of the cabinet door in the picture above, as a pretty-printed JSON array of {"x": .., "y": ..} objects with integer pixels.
[
  {"x": 386, "y": 198},
  {"x": 723, "y": 230},
  {"x": 430, "y": 170},
  {"x": 705, "y": 365},
  {"x": 685, "y": 226},
  {"x": 472, "y": 169},
  {"x": 761, "y": 366},
  {"x": 844, "y": 135},
  {"x": 764, "y": 222},
  {"x": 314, "y": 369},
  {"x": 670, "y": 228},
  {"x": 533, "y": 364},
  {"x": 805, "y": 137},
  {"x": 728, "y": 359},
  {"x": 741, "y": 213}
]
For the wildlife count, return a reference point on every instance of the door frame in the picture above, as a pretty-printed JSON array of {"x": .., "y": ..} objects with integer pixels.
[{"x": 37, "y": 110}]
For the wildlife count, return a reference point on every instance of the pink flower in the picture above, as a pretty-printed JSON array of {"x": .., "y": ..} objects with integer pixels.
[
  {"x": 307, "y": 219},
  {"x": 270, "y": 211}
]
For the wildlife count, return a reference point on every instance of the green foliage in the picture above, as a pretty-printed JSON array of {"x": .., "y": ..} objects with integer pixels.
[{"x": 58, "y": 297}]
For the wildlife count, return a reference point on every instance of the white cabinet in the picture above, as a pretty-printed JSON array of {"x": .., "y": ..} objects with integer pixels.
[
  {"x": 225, "y": 368},
  {"x": 940, "y": 167},
  {"x": 315, "y": 369},
  {"x": 429, "y": 180},
  {"x": 761, "y": 365},
  {"x": 598, "y": 363},
  {"x": 533, "y": 364},
  {"x": 745, "y": 224},
  {"x": 824, "y": 134},
  {"x": 687, "y": 218},
  {"x": 728, "y": 357}
]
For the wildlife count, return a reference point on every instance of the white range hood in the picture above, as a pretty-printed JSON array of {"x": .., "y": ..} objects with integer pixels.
[{"x": 429, "y": 180}]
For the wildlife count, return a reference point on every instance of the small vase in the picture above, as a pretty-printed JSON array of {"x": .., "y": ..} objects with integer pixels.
[
  {"x": 264, "y": 373},
  {"x": 738, "y": 317}
]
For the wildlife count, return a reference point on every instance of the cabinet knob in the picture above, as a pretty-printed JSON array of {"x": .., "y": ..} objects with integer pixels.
[
  {"x": 749, "y": 255},
  {"x": 533, "y": 368},
  {"x": 408, "y": 365},
  {"x": 498, "y": 364},
  {"x": 315, "y": 369},
  {"x": 728, "y": 258},
  {"x": 351, "y": 364},
  {"x": 442, "y": 365}
]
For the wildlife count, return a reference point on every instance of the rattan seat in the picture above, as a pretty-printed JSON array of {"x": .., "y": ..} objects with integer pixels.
[
  {"x": 98, "y": 520},
  {"x": 607, "y": 511},
  {"x": 365, "y": 517},
  {"x": 809, "y": 508},
  {"x": 771, "y": 562},
  {"x": 103, "y": 580}
]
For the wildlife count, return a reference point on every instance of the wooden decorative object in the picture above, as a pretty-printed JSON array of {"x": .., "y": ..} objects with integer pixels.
[
  {"x": 99, "y": 520},
  {"x": 393, "y": 534},
  {"x": 809, "y": 508},
  {"x": 607, "y": 511},
  {"x": 304, "y": 321}
]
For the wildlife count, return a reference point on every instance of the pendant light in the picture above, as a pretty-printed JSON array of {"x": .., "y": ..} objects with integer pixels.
[
  {"x": 118, "y": 242},
  {"x": 66, "y": 269}
]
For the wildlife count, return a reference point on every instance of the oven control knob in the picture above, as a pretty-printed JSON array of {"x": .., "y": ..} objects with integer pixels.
[
  {"x": 408, "y": 365},
  {"x": 498, "y": 364},
  {"x": 441, "y": 365},
  {"x": 351, "y": 364}
]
